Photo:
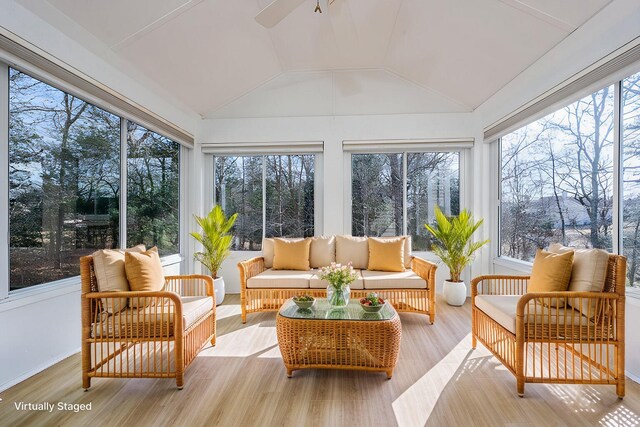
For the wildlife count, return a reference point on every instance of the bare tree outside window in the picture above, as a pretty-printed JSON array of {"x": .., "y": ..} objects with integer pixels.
[
  {"x": 153, "y": 190},
  {"x": 630, "y": 111},
  {"x": 378, "y": 199},
  {"x": 238, "y": 189},
  {"x": 64, "y": 181},
  {"x": 288, "y": 186},
  {"x": 557, "y": 179}
]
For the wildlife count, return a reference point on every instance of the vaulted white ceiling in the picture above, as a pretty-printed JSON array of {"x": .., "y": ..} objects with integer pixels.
[{"x": 358, "y": 57}]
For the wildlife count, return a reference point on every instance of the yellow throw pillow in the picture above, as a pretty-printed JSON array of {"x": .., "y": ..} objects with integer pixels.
[
  {"x": 144, "y": 273},
  {"x": 551, "y": 273},
  {"x": 290, "y": 255},
  {"x": 386, "y": 254}
]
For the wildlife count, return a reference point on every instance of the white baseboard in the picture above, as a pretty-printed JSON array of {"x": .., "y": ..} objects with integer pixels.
[
  {"x": 39, "y": 369},
  {"x": 633, "y": 377}
]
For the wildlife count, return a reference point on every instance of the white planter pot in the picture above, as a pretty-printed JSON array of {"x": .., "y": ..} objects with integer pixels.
[
  {"x": 455, "y": 293},
  {"x": 218, "y": 286}
]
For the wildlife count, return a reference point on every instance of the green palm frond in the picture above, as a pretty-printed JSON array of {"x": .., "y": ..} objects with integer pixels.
[
  {"x": 215, "y": 238},
  {"x": 453, "y": 240}
]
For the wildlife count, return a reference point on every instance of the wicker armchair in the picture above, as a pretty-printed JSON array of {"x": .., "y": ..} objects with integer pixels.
[
  {"x": 542, "y": 343},
  {"x": 157, "y": 341}
]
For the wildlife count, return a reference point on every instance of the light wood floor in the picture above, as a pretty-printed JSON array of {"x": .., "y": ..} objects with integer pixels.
[{"x": 439, "y": 381}]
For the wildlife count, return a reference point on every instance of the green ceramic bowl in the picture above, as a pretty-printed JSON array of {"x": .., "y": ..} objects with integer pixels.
[
  {"x": 372, "y": 308},
  {"x": 305, "y": 304}
]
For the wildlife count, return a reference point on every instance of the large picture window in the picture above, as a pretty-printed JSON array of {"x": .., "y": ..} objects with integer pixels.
[
  {"x": 272, "y": 195},
  {"x": 393, "y": 190},
  {"x": 64, "y": 181},
  {"x": 557, "y": 179}
]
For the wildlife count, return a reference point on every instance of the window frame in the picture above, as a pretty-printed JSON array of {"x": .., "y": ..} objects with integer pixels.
[
  {"x": 318, "y": 187},
  {"x": 463, "y": 153},
  {"x": 69, "y": 284}
]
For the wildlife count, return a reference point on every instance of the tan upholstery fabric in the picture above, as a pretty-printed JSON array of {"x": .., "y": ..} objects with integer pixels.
[
  {"x": 267, "y": 249},
  {"x": 502, "y": 309},
  {"x": 392, "y": 280},
  {"x": 386, "y": 254},
  {"x": 144, "y": 273},
  {"x": 551, "y": 273},
  {"x": 290, "y": 255},
  {"x": 407, "y": 249},
  {"x": 275, "y": 279},
  {"x": 354, "y": 250},
  {"x": 323, "y": 251},
  {"x": 316, "y": 283},
  {"x": 153, "y": 320},
  {"x": 108, "y": 265},
  {"x": 588, "y": 274}
]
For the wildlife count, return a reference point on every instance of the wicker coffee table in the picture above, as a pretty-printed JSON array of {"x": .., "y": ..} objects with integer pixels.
[{"x": 348, "y": 338}]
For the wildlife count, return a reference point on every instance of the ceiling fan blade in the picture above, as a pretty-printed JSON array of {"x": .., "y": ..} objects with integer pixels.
[{"x": 276, "y": 12}]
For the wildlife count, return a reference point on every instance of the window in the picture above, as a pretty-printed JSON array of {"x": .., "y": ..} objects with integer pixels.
[
  {"x": 153, "y": 190},
  {"x": 557, "y": 179},
  {"x": 630, "y": 110},
  {"x": 64, "y": 181},
  {"x": 272, "y": 195},
  {"x": 379, "y": 201}
]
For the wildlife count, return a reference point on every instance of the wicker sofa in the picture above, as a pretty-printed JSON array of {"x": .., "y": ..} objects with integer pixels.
[{"x": 266, "y": 289}]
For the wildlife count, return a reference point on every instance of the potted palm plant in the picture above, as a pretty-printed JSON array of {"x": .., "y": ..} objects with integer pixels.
[
  {"x": 454, "y": 247},
  {"x": 216, "y": 244}
]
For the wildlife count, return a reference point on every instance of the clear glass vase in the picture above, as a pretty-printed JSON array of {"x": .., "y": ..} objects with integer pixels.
[{"x": 338, "y": 296}]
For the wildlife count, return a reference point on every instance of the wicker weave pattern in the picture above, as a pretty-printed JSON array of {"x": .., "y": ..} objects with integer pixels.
[
  {"x": 406, "y": 300},
  {"x": 339, "y": 344},
  {"x": 558, "y": 349},
  {"x": 150, "y": 343}
]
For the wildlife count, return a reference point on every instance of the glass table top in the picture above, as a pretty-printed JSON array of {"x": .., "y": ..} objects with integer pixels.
[{"x": 321, "y": 310}]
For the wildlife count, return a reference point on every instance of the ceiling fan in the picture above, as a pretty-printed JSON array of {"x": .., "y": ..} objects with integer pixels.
[{"x": 277, "y": 10}]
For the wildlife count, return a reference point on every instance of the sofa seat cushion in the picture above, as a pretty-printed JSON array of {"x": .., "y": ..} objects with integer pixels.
[
  {"x": 502, "y": 309},
  {"x": 392, "y": 280},
  {"x": 279, "y": 279},
  {"x": 317, "y": 283},
  {"x": 152, "y": 320}
]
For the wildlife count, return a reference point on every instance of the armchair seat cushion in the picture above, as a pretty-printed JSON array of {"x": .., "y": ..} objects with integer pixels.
[
  {"x": 502, "y": 309},
  {"x": 392, "y": 280},
  {"x": 277, "y": 279},
  {"x": 316, "y": 283},
  {"x": 152, "y": 320}
]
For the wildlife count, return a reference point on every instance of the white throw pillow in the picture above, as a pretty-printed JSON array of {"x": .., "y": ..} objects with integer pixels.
[
  {"x": 352, "y": 249},
  {"x": 588, "y": 274},
  {"x": 323, "y": 251}
]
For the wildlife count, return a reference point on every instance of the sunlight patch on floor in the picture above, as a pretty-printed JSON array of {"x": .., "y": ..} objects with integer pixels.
[
  {"x": 414, "y": 406},
  {"x": 243, "y": 342},
  {"x": 230, "y": 310},
  {"x": 273, "y": 353},
  {"x": 622, "y": 416}
]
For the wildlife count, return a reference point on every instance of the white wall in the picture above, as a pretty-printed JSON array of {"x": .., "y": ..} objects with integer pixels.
[{"x": 333, "y": 131}]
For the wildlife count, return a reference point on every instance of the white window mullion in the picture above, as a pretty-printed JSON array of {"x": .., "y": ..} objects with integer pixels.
[
  {"x": 4, "y": 180},
  {"x": 123, "y": 183}
]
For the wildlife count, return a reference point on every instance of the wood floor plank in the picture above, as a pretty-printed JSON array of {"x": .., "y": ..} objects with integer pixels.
[{"x": 439, "y": 381}]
